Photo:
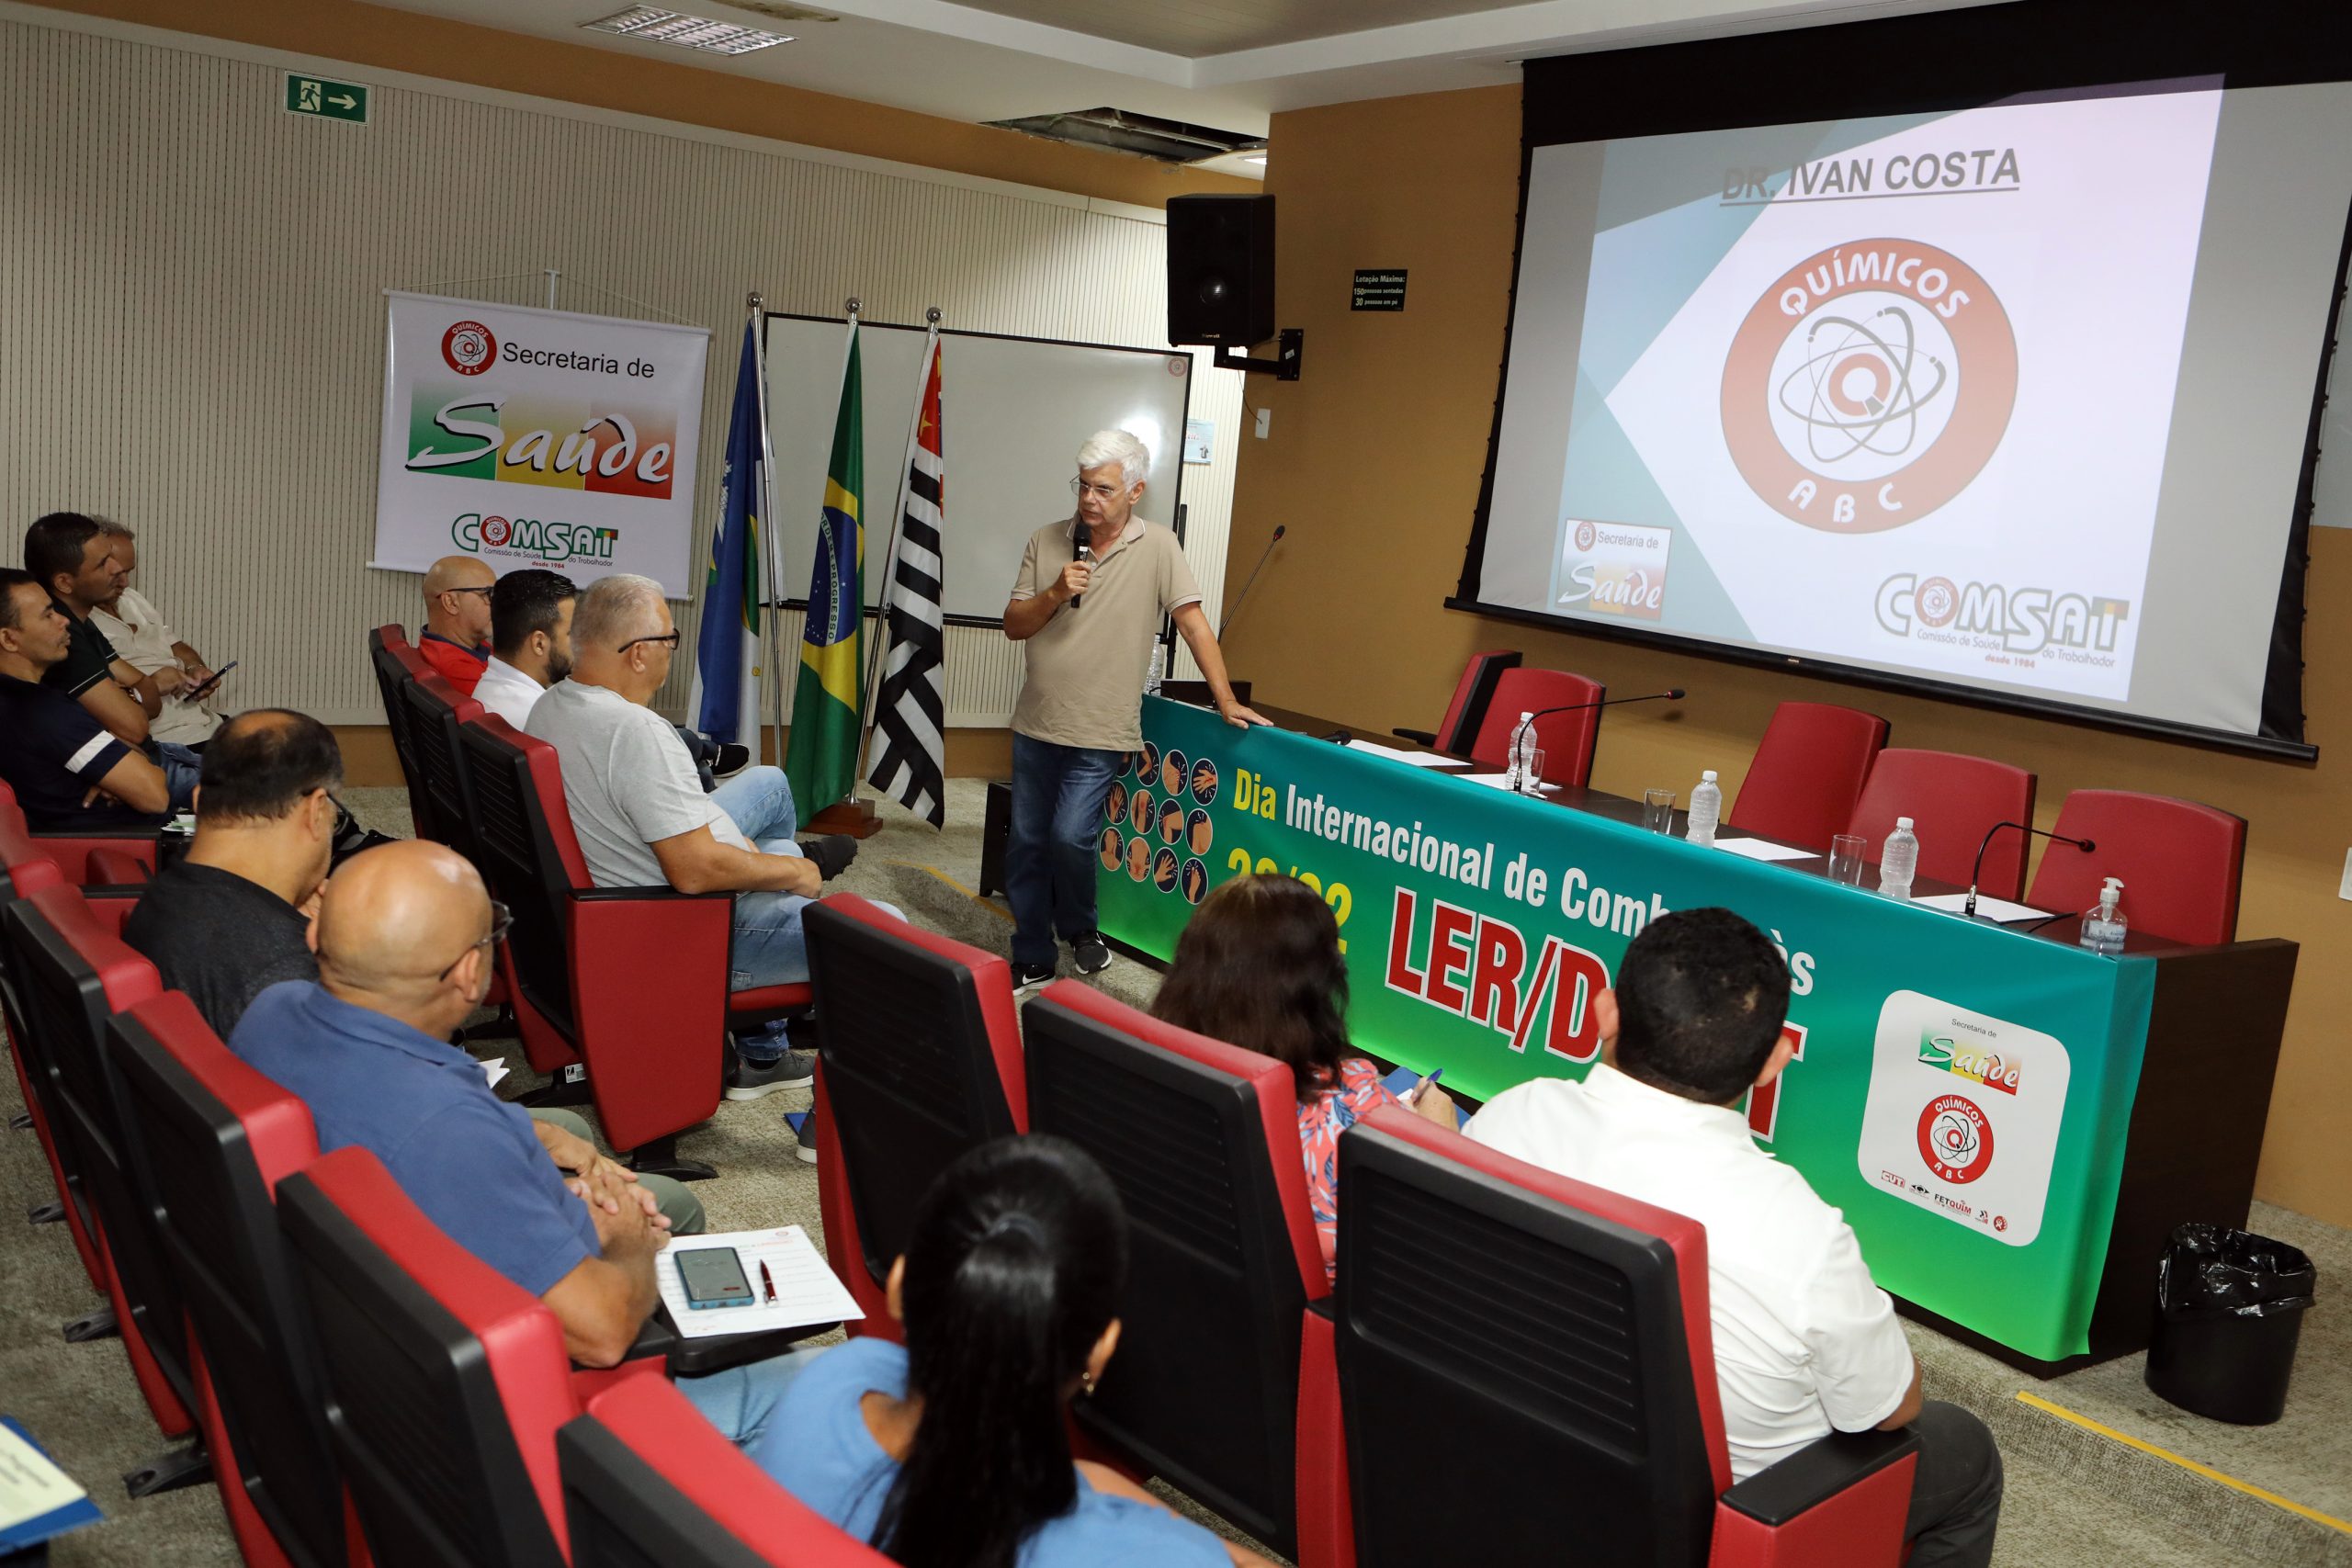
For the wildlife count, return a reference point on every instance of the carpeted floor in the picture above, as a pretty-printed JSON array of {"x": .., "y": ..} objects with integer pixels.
[{"x": 2063, "y": 1508}]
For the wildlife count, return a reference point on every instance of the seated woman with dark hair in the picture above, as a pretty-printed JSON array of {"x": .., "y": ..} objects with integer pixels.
[
  {"x": 1260, "y": 967},
  {"x": 954, "y": 1450}
]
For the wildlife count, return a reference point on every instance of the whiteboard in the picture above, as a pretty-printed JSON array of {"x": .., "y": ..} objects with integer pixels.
[{"x": 1014, "y": 412}]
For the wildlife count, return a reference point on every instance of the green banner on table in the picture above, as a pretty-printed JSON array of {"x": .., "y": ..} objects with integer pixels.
[{"x": 1962, "y": 1092}]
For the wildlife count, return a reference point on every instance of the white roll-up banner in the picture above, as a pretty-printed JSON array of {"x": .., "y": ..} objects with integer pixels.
[{"x": 538, "y": 438}]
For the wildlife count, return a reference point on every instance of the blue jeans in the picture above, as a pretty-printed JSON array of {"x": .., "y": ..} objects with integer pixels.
[
  {"x": 740, "y": 1400},
  {"x": 768, "y": 947},
  {"x": 1049, "y": 859},
  {"x": 182, "y": 771}
]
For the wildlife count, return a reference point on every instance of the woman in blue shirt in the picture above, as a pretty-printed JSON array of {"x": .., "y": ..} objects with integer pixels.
[{"x": 953, "y": 1452}]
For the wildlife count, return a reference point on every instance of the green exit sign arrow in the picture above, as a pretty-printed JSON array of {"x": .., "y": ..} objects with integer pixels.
[{"x": 322, "y": 99}]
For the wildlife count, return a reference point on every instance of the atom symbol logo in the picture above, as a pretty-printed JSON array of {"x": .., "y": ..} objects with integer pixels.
[
  {"x": 1586, "y": 533},
  {"x": 1854, "y": 391},
  {"x": 1936, "y": 602},
  {"x": 1955, "y": 1138},
  {"x": 468, "y": 346},
  {"x": 1869, "y": 385}
]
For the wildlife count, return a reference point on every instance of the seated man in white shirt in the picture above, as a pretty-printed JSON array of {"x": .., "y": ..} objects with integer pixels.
[
  {"x": 148, "y": 644},
  {"x": 530, "y": 641},
  {"x": 1805, "y": 1342}
]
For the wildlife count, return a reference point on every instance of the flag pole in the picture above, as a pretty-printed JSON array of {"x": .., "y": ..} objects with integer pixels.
[
  {"x": 771, "y": 547},
  {"x": 868, "y": 686}
]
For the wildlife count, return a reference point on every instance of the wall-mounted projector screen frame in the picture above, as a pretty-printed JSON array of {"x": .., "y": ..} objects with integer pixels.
[
  {"x": 2055, "y": 51},
  {"x": 1016, "y": 409}
]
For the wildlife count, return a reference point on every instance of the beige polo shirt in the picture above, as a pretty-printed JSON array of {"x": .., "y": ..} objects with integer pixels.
[{"x": 1086, "y": 667}]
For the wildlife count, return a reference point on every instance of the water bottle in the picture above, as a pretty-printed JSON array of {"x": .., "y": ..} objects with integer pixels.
[
  {"x": 1899, "y": 861},
  {"x": 1158, "y": 665},
  {"x": 1706, "y": 808},
  {"x": 1522, "y": 755},
  {"x": 2103, "y": 928}
]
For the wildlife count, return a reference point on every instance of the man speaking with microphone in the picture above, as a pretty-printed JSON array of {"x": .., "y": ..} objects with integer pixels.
[{"x": 1088, "y": 603}]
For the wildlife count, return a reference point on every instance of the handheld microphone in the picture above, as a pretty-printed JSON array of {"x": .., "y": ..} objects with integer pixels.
[
  {"x": 1085, "y": 558},
  {"x": 1235, "y": 608},
  {"x": 1977, "y": 871}
]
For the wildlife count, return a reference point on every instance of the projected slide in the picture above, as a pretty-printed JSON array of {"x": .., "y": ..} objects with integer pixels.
[{"x": 1892, "y": 391}]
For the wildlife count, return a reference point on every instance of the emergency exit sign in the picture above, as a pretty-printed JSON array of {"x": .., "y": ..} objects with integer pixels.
[{"x": 322, "y": 99}]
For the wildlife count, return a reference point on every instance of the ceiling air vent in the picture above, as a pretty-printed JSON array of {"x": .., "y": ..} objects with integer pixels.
[
  {"x": 1143, "y": 135},
  {"x": 652, "y": 25}
]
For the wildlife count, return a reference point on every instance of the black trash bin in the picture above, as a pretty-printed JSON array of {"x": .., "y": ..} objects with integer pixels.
[{"x": 2228, "y": 1309}]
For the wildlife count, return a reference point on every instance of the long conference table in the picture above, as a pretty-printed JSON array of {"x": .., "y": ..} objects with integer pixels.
[{"x": 2012, "y": 1123}]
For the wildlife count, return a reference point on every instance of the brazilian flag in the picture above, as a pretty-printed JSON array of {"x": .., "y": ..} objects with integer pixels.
[{"x": 821, "y": 759}]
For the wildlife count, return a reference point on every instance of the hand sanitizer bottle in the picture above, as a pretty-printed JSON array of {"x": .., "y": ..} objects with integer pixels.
[
  {"x": 2103, "y": 928},
  {"x": 1706, "y": 810},
  {"x": 1899, "y": 861}
]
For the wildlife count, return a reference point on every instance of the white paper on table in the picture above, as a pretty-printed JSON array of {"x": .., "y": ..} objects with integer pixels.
[
  {"x": 1500, "y": 781},
  {"x": 29, "y": 1485},
  {"x": 807, "y": 1290},
  {"x": 1763, "y": 849},
  {"x": 1998, "y": 910},
  {"x": 1410, "y": 759}
]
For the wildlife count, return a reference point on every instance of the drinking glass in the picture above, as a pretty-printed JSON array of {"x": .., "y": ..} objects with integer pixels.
[
  {"x": 1534, "y": 783},
  {"x": 1846, "y": 851},
  {"x": 1657, "y": 810}
]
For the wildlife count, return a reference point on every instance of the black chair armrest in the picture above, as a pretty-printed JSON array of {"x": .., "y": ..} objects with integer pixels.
[
  {"x": 696, "y": 1357},
  {"x": 1425, "y": 737},
  {"x": 1326, "y": 1308},
  {"x": 1816, "y": 1472},
  {"x": 634, "y": 894}
]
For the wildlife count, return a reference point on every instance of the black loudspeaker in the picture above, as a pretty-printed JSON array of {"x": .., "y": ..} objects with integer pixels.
[{"x": 1220, "y": 269}]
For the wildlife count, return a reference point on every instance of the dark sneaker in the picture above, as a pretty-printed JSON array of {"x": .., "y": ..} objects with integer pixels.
[
  {"x": 731, "y": 760},
  {"x": 750, "y": 1080},
  {"x": 1092, "y": 953},
  {"x": 808, "y": 1137},
  {"x": 833, "y": 854},
  {"x": 1028, "y": 977}
]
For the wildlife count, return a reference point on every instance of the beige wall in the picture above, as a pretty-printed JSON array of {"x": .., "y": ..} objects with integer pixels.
[{"x": 1373, "y": 460}]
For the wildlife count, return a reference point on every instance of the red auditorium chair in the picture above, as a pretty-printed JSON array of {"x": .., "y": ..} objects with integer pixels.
[
  {"x": 23, "y": 871},
  {"x": 919, "y": 1059},
  {"x": 228, "y": 1136},
  {"x": 1224, "y": 1382},
  {"x": 1808, "y": 772},
  {"x": 1953, "y": 801},
  {"x": 435, "y": 712},
  {"x": 396, "y": 664},
  {"x": 1566, "y": 738},
  {"x": 1536, "y": 1353},
  {"x": 70, "y": 974},
  {"x": 446, "y": 1382},
  {"x": 1472, "y": 694},
  {"x": 630, "y": 982},
  {"x": 647, "y": 1480},
  {"x": 2180, "y": 863},
  {"x": 71, "y": 851}
]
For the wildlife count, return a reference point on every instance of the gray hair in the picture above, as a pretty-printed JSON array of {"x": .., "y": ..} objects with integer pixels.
[
  {"x": 1116, "y": 446},
  {"x": 616, "y": 609},
  {"x": 113, "y": 529}
]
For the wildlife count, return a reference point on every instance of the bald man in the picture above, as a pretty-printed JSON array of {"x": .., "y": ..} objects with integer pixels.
[
  {"x": 455, "y": 639},
  {"x": 404, "y": 936}
]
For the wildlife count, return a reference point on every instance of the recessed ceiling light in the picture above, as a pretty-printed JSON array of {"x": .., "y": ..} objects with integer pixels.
[{"x": 655, "y": 26}]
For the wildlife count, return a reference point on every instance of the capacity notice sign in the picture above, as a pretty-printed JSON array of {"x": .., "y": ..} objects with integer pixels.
[{"x": 538, "y": 438}]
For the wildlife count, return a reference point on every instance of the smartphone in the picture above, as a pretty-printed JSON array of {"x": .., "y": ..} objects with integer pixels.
[
  {"x": 713, "y": 1277},
  {"x": 197, "y": 693}
]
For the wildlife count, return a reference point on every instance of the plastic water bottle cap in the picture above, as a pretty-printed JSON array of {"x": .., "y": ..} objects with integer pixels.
[
  {"x": 1708, "y": 776},
  {"x": 1903, "y": 823},
  {"x": 1525, "y": 716}
]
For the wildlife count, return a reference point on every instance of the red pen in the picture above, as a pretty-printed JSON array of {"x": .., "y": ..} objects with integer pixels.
[{"x": 767, "y": 1283}]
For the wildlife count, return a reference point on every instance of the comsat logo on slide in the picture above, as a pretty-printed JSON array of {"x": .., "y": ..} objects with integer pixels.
[
  {"x": 1869, "y": 385},
  {"x": 529, "y": 538}
]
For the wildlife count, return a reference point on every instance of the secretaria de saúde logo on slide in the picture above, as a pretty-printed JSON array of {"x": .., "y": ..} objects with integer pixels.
[{"x": 1869, "y": 385}]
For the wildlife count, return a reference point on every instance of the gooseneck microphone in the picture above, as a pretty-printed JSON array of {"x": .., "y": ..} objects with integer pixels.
[
  {"x": 1976, "y": 872},
  {"x": 1671, "y": 694},
  {"x": 1235, "y": 608}
]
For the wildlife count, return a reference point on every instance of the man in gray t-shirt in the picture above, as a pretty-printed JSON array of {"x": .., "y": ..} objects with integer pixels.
[
  {"x": 1087, "y": 603},
  {"x": 642, "y": 820}
]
